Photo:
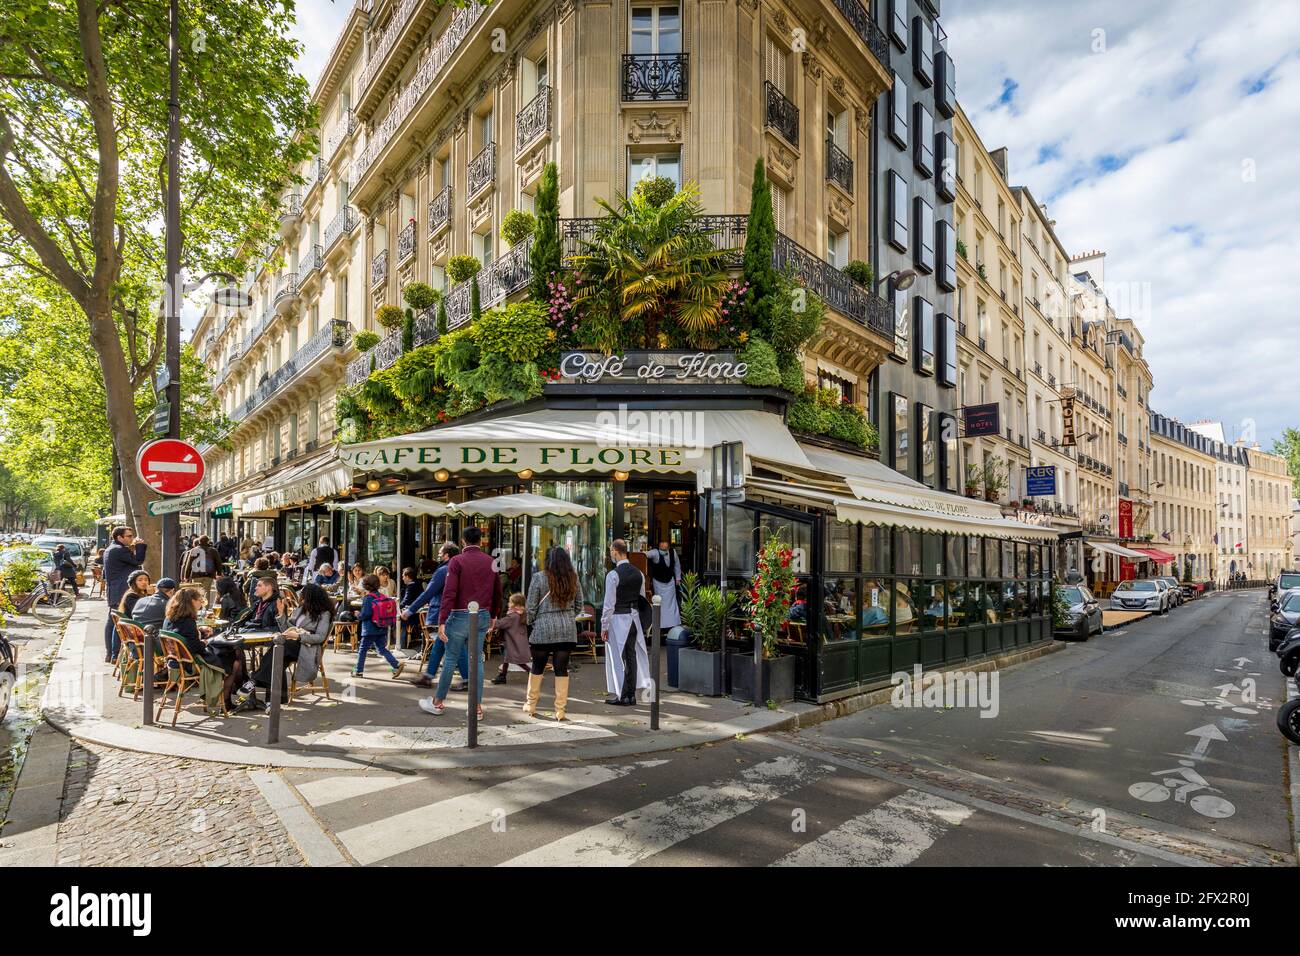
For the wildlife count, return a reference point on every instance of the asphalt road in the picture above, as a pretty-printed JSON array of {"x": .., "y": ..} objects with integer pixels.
[{"x": 1044, "y": 782}]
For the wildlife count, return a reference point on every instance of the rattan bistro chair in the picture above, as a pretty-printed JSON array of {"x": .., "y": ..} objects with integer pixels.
[
  {"x": 427, "y": 636},
  {"x": 131, "y": 635},
  {"x": 183, "y": 672}
]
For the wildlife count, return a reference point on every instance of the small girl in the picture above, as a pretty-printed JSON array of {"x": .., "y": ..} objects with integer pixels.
[
  {"x": 514, "y": 625},
  {"x": 374, "y": 632}
]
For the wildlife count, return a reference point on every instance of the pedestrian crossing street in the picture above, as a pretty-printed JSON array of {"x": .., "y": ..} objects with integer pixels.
[{"x": 728, "y": 805}]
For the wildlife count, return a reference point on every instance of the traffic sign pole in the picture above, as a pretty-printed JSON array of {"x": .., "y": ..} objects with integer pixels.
[{"x": 172, "y": 468}]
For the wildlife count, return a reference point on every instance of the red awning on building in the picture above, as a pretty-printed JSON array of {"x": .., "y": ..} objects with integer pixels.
[{"x": 1160, "y": 557}]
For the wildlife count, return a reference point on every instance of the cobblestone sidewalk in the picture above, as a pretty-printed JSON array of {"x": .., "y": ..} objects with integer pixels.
[{"x": 128, "y": 809}]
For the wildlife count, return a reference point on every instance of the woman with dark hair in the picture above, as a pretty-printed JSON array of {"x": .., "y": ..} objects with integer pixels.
[
  {"x": 553, "y": 606},
  {"x": 137, "y": 586},
  {"x": 304, "y": 643},
  {"x": 231, "y": 600},
  {"x": 182, "y": 618}
]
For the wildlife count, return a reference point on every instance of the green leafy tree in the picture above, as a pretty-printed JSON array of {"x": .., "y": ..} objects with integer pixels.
[
  {"x": 760, "y": 244},
  {"x": 546, "y": 255},
  {"x": 83, "y": 124},
  {"x": 1288, "y": 447}
]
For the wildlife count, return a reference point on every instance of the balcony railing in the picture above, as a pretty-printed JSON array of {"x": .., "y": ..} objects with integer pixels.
[
  {"x": 482, "y": 169},
  {"x": 406, "y": 242},
  {"x": 780, "y": 114},
  {"x": 345, "y": 127},
  {"x": 344, "y": 221},
  {"x": 440, "y": 211},
  {"x": 865, "y": 28},
  {"x": 382, "y": 356},
  {"x": 331, "y": 335},
  {"x": 497, "y": 280},
  {"x": 431, "y": 65},
  {"x": 379, "y": 268},
  {"x": 396, "y": 23},
  {"x": 834, "y": 287},
  {"x": 839, "y": 167},
  {"x": 655, "y": 76},
  {"x": 290, "y": 207},
  {"x": 251, "y": 337},
  {"x": 314, "y": 260},
  {"x": 287, "y": 287},
  {"x": 533, "y": 121}
]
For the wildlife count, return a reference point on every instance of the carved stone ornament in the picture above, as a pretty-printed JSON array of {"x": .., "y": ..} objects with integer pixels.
[
  {"x": 781, "y": 162},
  {"x": 655, "y": 129},
  {"x": 811, "y": 65}
]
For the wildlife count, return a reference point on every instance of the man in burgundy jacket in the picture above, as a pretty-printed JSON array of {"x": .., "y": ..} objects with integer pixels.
[{"x": 470, "y": 577}]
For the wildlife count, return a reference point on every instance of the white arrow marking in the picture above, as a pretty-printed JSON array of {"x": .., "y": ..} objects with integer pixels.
[
  {"x": 1242, "y": 662},
  {"x": 1205, "y": 735},
  {"x": 1225, "y": 689}
]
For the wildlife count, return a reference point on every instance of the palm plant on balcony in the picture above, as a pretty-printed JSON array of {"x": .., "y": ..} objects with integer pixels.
[{"x": 656, "y": 276}]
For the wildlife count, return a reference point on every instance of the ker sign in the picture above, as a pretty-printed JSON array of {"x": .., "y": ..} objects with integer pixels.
[{"x": 1040, "y": 481}]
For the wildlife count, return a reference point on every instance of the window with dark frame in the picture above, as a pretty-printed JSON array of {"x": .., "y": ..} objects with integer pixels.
[
  {"x": 923, "y": 335},
  {"x": 922, "y": 50},
  {"x": 898, "y": 112},
  {"x": 898, "y": 211},
  {"x": 923, "y": 224},
  {"x": 923, "y": 124}
]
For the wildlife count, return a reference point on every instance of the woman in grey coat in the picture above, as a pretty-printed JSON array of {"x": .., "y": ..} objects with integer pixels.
[{"x": 553, "y": 604}]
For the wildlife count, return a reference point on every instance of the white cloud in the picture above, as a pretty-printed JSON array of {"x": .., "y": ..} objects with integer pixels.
[
  {"x": 1141, "y": 150},
  {"x": 318, "y": 26}
]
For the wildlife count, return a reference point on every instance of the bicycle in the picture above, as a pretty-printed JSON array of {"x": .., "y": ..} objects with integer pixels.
[{"x": 51, "y": 605}]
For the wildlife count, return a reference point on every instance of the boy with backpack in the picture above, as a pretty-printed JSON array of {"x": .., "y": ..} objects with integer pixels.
[{"x": 378, "y": 614}]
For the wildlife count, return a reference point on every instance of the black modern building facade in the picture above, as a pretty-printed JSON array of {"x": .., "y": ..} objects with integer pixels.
[{"x": 914, "y": 395}]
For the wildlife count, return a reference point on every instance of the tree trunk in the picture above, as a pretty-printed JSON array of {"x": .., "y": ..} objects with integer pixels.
[{"x": 125, "y": 429}]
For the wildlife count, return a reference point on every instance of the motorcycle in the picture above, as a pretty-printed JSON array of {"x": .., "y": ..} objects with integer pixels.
[
  {"x": 1288, "y": 720},
  {"x": 1288, "y": 653}
]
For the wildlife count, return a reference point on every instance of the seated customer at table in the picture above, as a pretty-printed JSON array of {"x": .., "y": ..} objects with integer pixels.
[
  {"x": 182, "y": 618},
  {"x": 326, "y": 576},
  {"x": 304, "y": 643},
  {"x": 137, "y": 586},
  {"x": 356, "y": 574},
  {"x": 267, "y": 607},
  {"x": 231, "y": 600},
  {"x": 261, "y": 567},
  {"x": 151, "y": 610}
]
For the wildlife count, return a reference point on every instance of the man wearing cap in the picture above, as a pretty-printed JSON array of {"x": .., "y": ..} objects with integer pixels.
[{"x": 151, "y": 610}]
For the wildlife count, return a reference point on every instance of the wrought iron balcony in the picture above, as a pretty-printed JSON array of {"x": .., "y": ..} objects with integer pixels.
[
  {"x": 379, "y": 268},
  {"x": 286, "y": 290},
  {"x": 780, "y": 114},
  {"x": 482, "y": 169},
  {"x": 315, "y": 259},
  {"x": 379, "y": 53},
  {"x": 839, "y": 167},
  {"x": 344, "y": 221},
  {"x": 430, "y": 67},
  {"x": 440, "y": 211},
  {"x": 291, "y": 207},
  {"x": 834, "y": 287},
  {"x": 382, "y": 356},
  {"x": 251, "y": 337},
  {"x": 533, "y": 121},
  {"x": 406, "y": 242},
  {"x": 655, "y": 76},
  {"x": 345, "y": 127},
  {"x": 865, "y": 28},
  {"x": 496, "y": 281},
  {"x": 332, "y": 335}
]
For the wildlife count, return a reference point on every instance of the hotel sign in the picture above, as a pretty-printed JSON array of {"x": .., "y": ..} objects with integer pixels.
[
  {"x": 647, "y": 367},
  {"x": 982, "y": 419}
]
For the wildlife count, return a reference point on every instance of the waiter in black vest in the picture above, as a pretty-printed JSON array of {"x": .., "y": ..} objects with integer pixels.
[{"x": 620, "y": 627}]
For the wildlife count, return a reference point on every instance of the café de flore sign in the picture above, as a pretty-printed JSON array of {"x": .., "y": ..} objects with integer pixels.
[{"x": 668, "y": 367}]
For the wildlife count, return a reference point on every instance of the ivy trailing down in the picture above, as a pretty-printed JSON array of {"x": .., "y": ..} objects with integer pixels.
[{"x": 823, "y": 411}]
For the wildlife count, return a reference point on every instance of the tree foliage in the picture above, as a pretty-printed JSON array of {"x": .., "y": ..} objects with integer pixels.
[
  {"x": 1288, "y": 447},
  {"x": 546, "y": 255}
]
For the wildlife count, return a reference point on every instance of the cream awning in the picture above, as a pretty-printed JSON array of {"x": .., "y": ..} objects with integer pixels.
[
  {"x": 1118, "y": 550},
  {"x": 395, "y": 504},
  {"x": 111, "y": 520},
  {"x": 911, "y": 518},
  {"x": 321, "y": 477},
  {"x": 597, "y": 441}
]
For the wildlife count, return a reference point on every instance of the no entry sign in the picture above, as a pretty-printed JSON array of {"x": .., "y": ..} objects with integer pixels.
[{"x": 170, "y": 466}]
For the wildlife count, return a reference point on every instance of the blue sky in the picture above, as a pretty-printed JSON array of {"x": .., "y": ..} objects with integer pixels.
[{"x": 1166, "y": 134}]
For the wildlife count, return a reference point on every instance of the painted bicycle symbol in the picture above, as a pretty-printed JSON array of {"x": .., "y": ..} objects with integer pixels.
[{"x": 1181, "y": 783}]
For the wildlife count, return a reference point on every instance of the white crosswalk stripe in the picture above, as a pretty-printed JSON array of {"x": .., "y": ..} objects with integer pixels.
[
  {"x": 389, "y": 836},
  {"x": 895, "y": 833},
  {"x": 630, "y": 837},
  {"x": 327, "y": 790}
]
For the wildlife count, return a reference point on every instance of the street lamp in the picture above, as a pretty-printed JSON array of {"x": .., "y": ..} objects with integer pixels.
[{"x": 899, "y": 280}]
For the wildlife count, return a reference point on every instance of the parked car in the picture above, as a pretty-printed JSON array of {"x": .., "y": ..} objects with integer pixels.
[
  {"x": 8, "y": 673},
  {"x": 1175, "y": 589},
  {"x": 1084, "y": 614},
  {"x": 75, "y": 549},
  {"x": 1285, "y": 614},
  {"x": 43, "y": 559},
  {"x": 1147, "y": 594},
  {"x": 1283, "y": 582}
]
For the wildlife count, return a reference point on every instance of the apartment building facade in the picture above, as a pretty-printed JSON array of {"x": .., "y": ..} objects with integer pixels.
[
  {"x": 1231, "y": 490},
  {"x": 1091, "y": 388},
  {"x": 1268, "y": 514},
  {"x": 916, "y": 172},
  {"x": 991, "y": 339},
  {"x": 277, "y": 365},
  {"x": 1183, "y": 482}
]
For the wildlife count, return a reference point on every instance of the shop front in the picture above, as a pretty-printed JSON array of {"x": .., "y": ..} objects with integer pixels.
[
  {"x": 891, "y": 573},
  {"x": 289, "y": 514}
]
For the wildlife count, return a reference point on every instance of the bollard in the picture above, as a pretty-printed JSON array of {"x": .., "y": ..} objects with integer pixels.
[
  {"x": 758, "y": 670},
  {"x": 146, "y": 676},
  {"x": 277, "y": 687},
  {"x": 474, "y": 665},
  {"x": 655, "y": 635}
]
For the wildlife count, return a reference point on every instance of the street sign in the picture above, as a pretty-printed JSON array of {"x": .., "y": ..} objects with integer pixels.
[
  {"x": 165, "y": 506},
  {"x": 982, "y": 419},
  {"x": 162, "y": 378},
  {"x": 170, "y": 466},
  {"x": 162, "y": 418},
  {"x": 1040, "y": 481}
]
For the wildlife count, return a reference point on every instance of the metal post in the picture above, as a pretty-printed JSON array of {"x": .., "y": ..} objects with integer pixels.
[
  {"x": 171, "y": 523},
  {"x": 277, "y": 688},
  {"x": 474, "y": 665},
  {"x": 722, "y": 579},
  {"x": 655, "y": 635},
  {"x": 758, "y": 669},
  {"x": 146, "y": 676}
]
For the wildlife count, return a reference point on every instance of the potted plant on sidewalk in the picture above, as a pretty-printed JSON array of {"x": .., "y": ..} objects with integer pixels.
[
  {"x": 704, "y": 613},
  {"x": 770, "y": 596}
]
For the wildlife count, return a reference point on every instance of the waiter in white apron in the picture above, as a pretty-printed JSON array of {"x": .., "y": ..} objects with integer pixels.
[
  {"x": 626, "y": 667},
  {"x": 665, "y": 575}
]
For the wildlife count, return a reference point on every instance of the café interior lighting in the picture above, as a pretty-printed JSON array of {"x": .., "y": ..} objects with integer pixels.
[
  {"x": 442, "y": 474},
  {"x": 372, "y": 484},
  {"x": 620, "y": 476},
  {"x": 526, "y": 474}
]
